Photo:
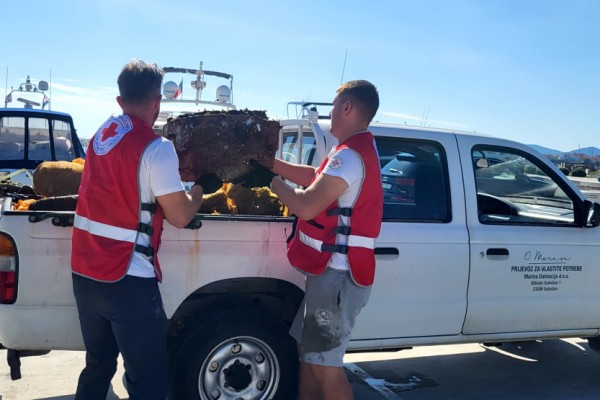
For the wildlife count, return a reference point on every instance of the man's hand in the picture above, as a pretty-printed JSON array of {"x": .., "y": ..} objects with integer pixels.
[
  {"x": 259, "y": 177},
  {"x": 210, "y": 183}
]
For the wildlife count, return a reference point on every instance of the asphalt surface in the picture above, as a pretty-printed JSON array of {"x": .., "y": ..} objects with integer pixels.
[{"x": 550, "y": 370}]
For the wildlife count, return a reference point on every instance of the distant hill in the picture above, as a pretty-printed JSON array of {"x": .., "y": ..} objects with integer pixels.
[
  {"x": 588, "y": 151},
  {"x": 545, "y": 150}
]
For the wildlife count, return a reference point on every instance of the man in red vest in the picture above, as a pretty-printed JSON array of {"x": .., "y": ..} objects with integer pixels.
[
  {"x": 129, "y": 184},
  {"x": 339, "y": 216}
]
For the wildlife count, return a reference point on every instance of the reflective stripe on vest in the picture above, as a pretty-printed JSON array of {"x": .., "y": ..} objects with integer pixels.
[
  {"x": 353, "y": 241},
  {"x": 104, "y": 230}
]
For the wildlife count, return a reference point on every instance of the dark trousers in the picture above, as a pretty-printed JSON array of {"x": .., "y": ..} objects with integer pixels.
[{"x": 124, "y": 317}]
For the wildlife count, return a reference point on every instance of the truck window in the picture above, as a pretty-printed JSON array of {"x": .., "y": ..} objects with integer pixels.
[
  {"x": 12, "y": 137},
  {"x": 39, "y": 139},
  {"x": 414, "y": 178},
  {"x": 516, "y": 188}
]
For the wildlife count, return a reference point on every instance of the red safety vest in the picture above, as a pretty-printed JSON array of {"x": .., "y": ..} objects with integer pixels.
[
  {"x": 107, "y": 218},
  {"x": 313, "y": 241}
]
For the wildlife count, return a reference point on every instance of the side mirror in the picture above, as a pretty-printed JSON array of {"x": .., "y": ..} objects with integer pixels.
[{"x": 593, "y": 217}]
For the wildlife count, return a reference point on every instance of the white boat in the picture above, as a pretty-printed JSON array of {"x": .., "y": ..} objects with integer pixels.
[
  {"x": 31, "y": 95},
  {"x": 177, "y": 101},
  {"x": 31, "y": 133}
]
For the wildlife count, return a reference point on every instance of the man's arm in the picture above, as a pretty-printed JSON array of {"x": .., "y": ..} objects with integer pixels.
[
  {"x": 299, "y": 174},
  {"x": 181, "y": 207},
  {"x": 162, "y": 163},
  {"x": 308, "y": 203}
]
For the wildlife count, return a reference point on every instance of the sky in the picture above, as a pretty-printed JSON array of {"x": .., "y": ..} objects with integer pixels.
[{"x": 525, "y": 70}]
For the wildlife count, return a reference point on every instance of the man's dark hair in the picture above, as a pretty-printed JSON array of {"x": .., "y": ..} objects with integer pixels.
[
  {"x": 139, "y": 82},
  {"x": 363, "y": 95}
]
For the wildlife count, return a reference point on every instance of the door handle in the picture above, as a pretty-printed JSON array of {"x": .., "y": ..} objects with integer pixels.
[
  {"x": 496, "y": 252},
  {"x": 387, "y": 251}
]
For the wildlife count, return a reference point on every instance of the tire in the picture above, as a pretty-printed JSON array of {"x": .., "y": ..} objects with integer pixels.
[{"x": 239, "y": 354}]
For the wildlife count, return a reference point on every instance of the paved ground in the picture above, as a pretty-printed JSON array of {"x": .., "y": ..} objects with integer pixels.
[{"x": 552, "y": 370}]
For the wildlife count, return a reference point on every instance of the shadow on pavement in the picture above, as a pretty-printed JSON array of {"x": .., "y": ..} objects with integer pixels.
[{"x": 550, "y": 369}]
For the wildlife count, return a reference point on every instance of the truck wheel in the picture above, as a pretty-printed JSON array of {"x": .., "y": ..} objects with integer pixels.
[{"x": 240, "y": 354}]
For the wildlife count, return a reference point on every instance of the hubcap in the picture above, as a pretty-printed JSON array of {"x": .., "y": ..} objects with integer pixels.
[{"x": 241, "y": 368}]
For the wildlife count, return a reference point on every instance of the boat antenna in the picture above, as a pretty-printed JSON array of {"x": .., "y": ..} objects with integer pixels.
[
  {"x": 344, "y": 68},
  {"x": 425, "y": 116}
]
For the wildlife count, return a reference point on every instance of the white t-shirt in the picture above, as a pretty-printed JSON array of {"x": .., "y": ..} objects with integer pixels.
[
  {"x": 158, "y": 175},
  {"x": 348, "y": 165}
]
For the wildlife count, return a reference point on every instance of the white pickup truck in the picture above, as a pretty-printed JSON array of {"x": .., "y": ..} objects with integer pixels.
[{"x": 483, "y": 240}]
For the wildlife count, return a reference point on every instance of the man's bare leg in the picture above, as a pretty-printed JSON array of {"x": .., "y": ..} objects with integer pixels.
[
  {"x": 320, "y": 382},
  {"x": 309, "y": 388}
]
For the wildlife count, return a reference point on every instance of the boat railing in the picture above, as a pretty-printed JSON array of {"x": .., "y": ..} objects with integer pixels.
[
  {"x": 306, "y": 109},
  {"x": 33, "y": 94}
]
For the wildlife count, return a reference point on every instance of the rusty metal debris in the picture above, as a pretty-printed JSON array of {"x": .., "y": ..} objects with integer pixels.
[{"x": 222, "y": 142}]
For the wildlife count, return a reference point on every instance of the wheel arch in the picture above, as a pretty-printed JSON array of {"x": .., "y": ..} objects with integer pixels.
[{"x": 277, "y": 297}]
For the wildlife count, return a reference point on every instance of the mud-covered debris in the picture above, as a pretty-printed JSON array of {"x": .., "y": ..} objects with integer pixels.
[
  {"x": 222, "y": 142},
  {"x": 255, "y": 201},
  {"x": 60, "y": 203},
  {"x": 17, "y": 190},
  {"x": 57, "y": 178}
]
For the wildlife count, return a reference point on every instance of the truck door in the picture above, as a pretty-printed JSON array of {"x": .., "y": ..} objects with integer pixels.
[
  {"x": 533, "y": 267},
  {"x": 422, "y": 252}
]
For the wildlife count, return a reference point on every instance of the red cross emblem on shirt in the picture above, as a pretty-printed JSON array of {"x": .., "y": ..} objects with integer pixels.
[{"x": 109, "y": 132}]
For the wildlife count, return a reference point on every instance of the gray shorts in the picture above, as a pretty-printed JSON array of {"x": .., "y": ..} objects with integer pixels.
[{"x": 326, "y": 317}]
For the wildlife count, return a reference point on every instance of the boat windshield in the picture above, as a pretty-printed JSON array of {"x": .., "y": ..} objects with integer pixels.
[{"x": 13, "y": 144}]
